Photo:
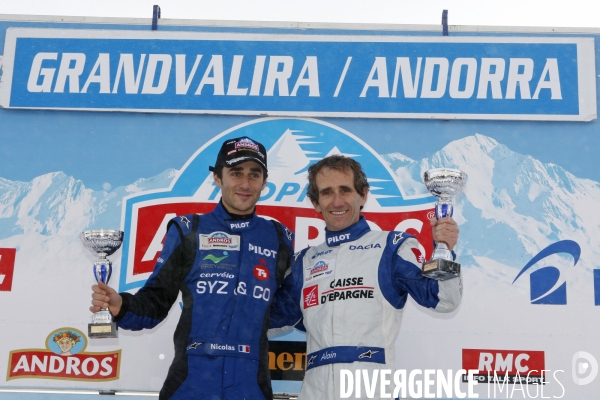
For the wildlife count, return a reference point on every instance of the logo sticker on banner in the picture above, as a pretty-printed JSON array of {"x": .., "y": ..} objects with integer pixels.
[
  {"x": 505, "y": 366},
  {"x": 64, "y": 358},
  {"x": 547, "y": 284}
]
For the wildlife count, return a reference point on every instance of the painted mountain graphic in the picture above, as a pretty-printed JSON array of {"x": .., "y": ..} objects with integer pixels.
[
  {"x": 56, "y": 204},
  {"x": 513, "y": 205}
]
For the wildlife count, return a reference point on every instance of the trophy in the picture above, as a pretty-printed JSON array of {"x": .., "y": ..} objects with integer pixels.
[
  {"x": 102, "y": 242},
  {"x": 443, "y": 183}
]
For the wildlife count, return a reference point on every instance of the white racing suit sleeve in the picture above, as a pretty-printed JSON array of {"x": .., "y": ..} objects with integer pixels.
[{"x": 450, "y": 294}]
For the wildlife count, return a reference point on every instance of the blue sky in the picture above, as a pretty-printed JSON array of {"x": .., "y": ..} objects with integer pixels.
[{"x": 547, "y": 13}]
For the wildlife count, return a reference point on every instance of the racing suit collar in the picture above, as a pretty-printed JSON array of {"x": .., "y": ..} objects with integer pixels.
[
  {"x": 236, "y": 224},
  {"x": 349, "y": 234}
]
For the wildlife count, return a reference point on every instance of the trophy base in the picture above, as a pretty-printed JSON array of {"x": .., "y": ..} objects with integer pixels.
[
  {"x": 101, "y": 331},
  {"x": 440, "y": 269}
]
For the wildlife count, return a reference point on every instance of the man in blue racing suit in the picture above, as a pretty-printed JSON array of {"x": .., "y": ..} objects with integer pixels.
[
  {"x": 350, "y": 290},
  {"x": 227, "y": 264}
]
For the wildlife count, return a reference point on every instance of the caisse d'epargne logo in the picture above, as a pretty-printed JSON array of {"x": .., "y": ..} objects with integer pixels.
[{"x": 64, "y": 358}]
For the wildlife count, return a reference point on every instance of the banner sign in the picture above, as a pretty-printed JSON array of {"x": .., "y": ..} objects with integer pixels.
[
  {"x": 522, "y": 78},
  {"x": 528, "y": 248}
]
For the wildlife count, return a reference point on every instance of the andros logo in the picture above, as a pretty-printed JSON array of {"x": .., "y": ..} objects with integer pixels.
[
  {"x": 219, "y": 237},
  {"x": 547, "y": 286},
  {"x": 292, "y": 144},
  {"x": 64, "y": 357},
  {"x": 320, "y": 266}
]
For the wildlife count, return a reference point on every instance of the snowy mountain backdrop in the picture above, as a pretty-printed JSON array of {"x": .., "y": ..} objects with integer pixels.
[
  {"x": 513, "y": 205},
  {"x": 511, "y": 200}
]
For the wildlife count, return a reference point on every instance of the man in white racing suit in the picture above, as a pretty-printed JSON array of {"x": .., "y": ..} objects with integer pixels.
[{"x": 350, "y": 290}]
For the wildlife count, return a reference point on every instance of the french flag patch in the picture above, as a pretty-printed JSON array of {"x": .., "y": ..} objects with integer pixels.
[{"x": 242, "y": 348}]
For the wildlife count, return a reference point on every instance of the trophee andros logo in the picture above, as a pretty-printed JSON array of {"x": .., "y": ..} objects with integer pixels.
[{"x": 292, "y": 145}]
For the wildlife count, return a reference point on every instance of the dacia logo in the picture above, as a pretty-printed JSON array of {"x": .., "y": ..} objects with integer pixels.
[{"x": 366, "y": 246}]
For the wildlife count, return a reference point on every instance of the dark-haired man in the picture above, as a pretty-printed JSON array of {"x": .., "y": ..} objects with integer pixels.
[
  {"x": 227, "y": 264},
  {"x": 351, "y": 289}
]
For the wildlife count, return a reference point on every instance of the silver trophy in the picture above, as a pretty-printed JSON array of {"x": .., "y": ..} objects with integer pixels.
[
  {"x": 443, "y": 183},
  {"x": 102, "y": 242}
]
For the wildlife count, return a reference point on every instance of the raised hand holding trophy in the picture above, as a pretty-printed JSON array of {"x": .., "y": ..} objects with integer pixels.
[
  {"x": 102, "y": 242},
  {"x": 443, "y": 183}
]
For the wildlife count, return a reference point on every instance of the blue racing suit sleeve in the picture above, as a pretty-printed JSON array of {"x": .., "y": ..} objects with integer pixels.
[
  {"x": 285, "y": 308},
  {"x": 407, "y": 277},
  {"x": 151, "y": 304},
  {"x": 442, "y": 296}
]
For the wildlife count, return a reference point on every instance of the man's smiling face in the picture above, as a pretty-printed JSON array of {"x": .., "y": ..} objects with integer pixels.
[
  {"x": 241, "y": 186},
  {"x": 338, "y": 202}
]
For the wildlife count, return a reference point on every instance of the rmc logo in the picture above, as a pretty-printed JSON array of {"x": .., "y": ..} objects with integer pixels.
[
  {"x": 292, "y": 144},
  {"x": 547, "y": 284}
]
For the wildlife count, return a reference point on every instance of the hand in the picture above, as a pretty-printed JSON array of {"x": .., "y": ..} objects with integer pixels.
[
  {"x": 103, "y": 296},
  {"x": 445, "y": 230}
]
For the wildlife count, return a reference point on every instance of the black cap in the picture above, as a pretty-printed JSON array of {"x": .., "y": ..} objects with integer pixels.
[{"x": 239, "y": 150}]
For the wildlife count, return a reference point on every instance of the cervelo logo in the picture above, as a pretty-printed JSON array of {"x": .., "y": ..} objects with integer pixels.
[
  {"x": 217, "y": 275},
  {"x": 293, "y": 142},
  {"x": 64, "y": 358},
  {"x": 547, "y": 284},
  {"x": 7, "y": 268}
]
